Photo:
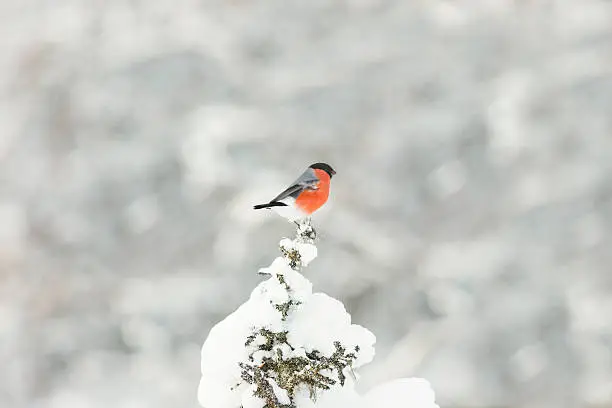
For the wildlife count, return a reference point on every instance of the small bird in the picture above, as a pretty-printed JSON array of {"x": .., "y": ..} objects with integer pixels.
[{"x": 305, "y": 195}]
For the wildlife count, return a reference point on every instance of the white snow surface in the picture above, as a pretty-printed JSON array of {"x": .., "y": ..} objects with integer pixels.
[
  {"x": 281, "y": 394},
  {"x": 308, "y": 252},
  {"x": 402, "y": 392},
  {"x": 331, "y": 322},
  {"x": 249, "y": 400},
  {"x": 315, "y": 323}
]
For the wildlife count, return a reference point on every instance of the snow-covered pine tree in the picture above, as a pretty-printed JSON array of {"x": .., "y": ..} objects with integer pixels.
[{"x": 287, "y": 347}]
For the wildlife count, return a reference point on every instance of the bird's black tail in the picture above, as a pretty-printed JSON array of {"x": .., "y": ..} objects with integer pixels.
[{"x": 270, "y": 204}]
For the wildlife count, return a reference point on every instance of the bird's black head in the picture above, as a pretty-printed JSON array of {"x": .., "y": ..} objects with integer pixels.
[{"x": 325, "y": 167}]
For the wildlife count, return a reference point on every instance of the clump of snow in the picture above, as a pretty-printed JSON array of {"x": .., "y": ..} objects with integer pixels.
[
  {"x": 278, "y": 267},
  {"x": 345, "y": 397},
  {"x": 307, "y": 251},
  {"x": 249, "y": 400},
  {"x": 323, "y": 318},
  {"x": 289, "y": 347},
  {"x": 404, "y": 392},
  {"x": 296, "y": 285},
  {"x": 281, "y": 394}
]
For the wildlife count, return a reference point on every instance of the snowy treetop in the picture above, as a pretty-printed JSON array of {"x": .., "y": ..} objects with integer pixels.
[{"x": 289, "y": 347}]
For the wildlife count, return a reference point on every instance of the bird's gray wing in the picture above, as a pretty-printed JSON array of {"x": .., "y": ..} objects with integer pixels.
[{"x": 308, "y": 180}]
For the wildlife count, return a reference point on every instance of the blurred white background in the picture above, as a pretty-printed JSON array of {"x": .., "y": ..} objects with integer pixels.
[{"x": 470, "y": 221}]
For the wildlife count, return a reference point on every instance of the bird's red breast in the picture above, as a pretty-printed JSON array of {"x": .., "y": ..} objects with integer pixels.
[{"x": 310, "y": 201}]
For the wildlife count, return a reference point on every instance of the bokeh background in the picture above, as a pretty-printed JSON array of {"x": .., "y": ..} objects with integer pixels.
[{"x": 470, "y": 225}]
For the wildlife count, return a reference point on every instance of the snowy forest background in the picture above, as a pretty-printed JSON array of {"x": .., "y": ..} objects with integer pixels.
[{"x": 470, "y": 220}]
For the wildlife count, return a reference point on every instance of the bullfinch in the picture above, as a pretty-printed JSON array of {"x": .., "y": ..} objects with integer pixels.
[{"x": 305, "y": 195}]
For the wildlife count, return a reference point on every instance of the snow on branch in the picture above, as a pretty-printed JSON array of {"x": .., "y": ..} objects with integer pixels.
[{"x": 287, "y": 347}]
